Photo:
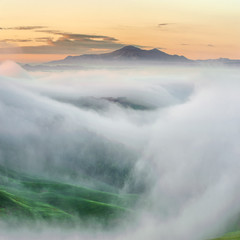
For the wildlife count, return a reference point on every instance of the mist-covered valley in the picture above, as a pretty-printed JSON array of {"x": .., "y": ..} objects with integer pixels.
[{"x": 136, "y": 153}]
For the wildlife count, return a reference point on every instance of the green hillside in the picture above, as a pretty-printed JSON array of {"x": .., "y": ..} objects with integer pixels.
[
  {"x": 229, "y": 236},
  {"x": 28, "y": 197}
]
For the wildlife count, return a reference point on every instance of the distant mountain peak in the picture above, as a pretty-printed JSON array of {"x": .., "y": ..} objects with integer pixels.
[
  {"x": 133, "y": 48},
  {"x": 154, "y": 50},
  {"x": 129, "y": 48},
  {"x": 127, "y": 53}
]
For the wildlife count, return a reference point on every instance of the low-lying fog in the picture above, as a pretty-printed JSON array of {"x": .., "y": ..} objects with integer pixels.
[{"x": 175, "y": 130}]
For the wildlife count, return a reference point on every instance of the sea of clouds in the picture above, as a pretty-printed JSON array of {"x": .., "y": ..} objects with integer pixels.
[{"x": 182, "y": 145}]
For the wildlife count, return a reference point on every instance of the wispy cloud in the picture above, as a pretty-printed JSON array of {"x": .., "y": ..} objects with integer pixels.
[
  {"x": 166, "y": 26},
  {"x": 74, "y": 36},
  {"x": 203, "y": 45},
  {"x": 42, "y": 39},
  {"x": 66, "y": 43},
  {"x": 16, "y": 40},
  {"x": 24, "y": 28},
  {"x": 161, "y": 25},
  {"x": 60, "y": 42}
]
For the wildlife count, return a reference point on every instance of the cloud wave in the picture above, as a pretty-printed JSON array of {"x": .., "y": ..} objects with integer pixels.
[{"x": 185, "y": 148}]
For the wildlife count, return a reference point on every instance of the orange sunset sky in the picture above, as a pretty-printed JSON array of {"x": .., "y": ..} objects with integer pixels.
[{"x": 38, "y": 31}]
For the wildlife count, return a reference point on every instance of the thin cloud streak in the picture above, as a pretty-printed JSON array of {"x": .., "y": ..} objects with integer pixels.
[
  {"x": 16, "y": 40},
  {"x": 164, "y": 24},
  {"x": 203, "y": 45},
  {"x": 24, "y": 28}
]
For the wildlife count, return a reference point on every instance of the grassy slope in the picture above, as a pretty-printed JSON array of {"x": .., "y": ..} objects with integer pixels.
[
  {"x": 230, "y": 236},
  {"x": 29, "y": 197},
  {"x": 12, "y": 205}
]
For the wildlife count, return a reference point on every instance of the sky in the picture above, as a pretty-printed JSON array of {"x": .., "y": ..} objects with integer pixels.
[{"x": 38, "y": 31}]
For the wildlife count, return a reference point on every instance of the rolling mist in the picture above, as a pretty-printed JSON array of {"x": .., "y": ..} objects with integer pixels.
[{"x": 170, "y": 134}]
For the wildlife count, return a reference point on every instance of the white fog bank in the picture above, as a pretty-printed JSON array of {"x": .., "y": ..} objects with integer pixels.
[{"x": 178, "y": 129}]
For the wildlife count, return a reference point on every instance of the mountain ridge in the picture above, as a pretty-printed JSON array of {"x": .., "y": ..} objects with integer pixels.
[
  {"x": 127, "y": 53},
  {"x": 126, "y": 56}
]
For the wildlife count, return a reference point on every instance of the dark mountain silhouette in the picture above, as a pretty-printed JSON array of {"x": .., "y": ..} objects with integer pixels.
[
  {"x": 128, "y": 53},
  {"x": 126, "y": 56}
]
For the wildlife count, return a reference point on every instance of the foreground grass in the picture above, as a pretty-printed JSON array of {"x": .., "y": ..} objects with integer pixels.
[{"x": 27, "y": 197}]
